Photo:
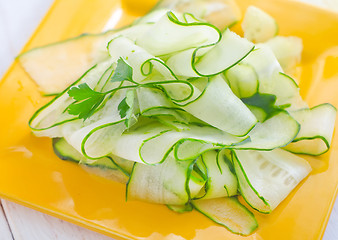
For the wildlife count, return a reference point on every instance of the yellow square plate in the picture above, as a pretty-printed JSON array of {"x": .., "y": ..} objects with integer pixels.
[{"x": 32, "y": 175}]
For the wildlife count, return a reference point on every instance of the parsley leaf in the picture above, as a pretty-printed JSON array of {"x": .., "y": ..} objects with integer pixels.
[
  {"x": 123, "y": 72},
  {"x": 265, "y": 102},
  {"x": 127, "y": 109},
  {"x": 123, "y": 108},
  {"x": 86, "y": 101}
]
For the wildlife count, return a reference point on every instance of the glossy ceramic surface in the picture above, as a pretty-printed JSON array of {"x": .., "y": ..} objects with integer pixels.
[{"x": 32, "y": 175}]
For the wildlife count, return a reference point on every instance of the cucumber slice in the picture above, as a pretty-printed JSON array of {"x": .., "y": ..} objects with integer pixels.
[
  {"x": 226, "y": 53},
  {"x": 228, "y": 212},
  {"x": 94, "y": 137},
  {"x": 181, "y": 208},
  {"x": 275, "y": 132},
  {"x": 266, "y": 178},
  {"x": 152, "y": 142},
  {"x": 217, "y": 103},
  {"x": 47, "y": 121},
  {"x": 264, "y": 63},
  {"x": 288, "y": 51},
  {"x": 65, "y": 151},
  {"x": 153, "y": 103},
  {"x": 153, "y": 16},
  {"x": 221, "y": 181},
  {"x": 229, "y": 51},
  {"x": 285, "y": 89},
  {"x": 315, "y": 135},
  {"x": 150, "y": 99},
  {"x": 271, "y": 78},
  {"x": 172, "y": 33},
  {"x": 258, "y": 26},
  {"x": 166, "y": 183},
  {"x": 73, "y": 56},
  {"x": 221, "y": 13},
  {"x": 106, "y": 167},
  {"x": 242, "y": 80},
  {"x": 135, "y": 55}
]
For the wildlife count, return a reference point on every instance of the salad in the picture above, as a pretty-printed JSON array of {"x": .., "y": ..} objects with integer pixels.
[{"x": 183, "y": 110}]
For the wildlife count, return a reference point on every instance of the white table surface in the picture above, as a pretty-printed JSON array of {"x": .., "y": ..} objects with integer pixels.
[{"x": 18, "y": 20}]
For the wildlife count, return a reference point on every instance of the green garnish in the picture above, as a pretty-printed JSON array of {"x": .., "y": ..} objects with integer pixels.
[
  {"x": 86, "y": 101},
  {"x": 126, "y": 108},
  {"x": 123, "y": 72}
]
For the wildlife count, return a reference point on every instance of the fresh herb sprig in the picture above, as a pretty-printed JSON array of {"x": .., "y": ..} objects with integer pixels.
[
  {"x": 87, "y": 101},
  {"x": 126, "y": 108}
]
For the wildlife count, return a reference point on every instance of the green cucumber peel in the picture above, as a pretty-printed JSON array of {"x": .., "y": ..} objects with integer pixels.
[{"x": 266, "y": 102}]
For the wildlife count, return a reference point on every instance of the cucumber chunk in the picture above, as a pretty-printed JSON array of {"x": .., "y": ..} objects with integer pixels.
[
  {"x": 288, "y": 51},
  {"x": 258, "y": 26},
  {"x": 221, "y": 13}
]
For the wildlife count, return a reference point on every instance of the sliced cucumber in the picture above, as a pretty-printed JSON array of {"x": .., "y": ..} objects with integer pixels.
[
  {"x": 152, "y": 142},
  {"x": 221, "y": 13},
  {"x": 172, "y": 33},
  {"x": 105, "y": 167},
  {"x": 226, "y": 53},
  {"x": 229, "y": 51},
  {"x": 181, "y": 208},
  {"x": 271, "y": 78},
  {"x": 228, "y": 212},
  {"x": 47, "y": 120},
  {"x": 221, "y": 180},
  {"x": 288, "y": 50},
  {"x": 134, "y": 55},
  {"x": 153, "y": 16},
  {"x": 264, "y": 63},
  {"x": 316, "y": 130},
  {"x": 242, "y": 80},
  {"x": 166, "y": 183},
  {"x": 74, "y": 56},
  {"x": 179, "y": 107},
  {"x": 277, "y": 131},
  {"x": 258, "y": 26},
  {"x": 217, "y": 103},
  {"x": 66, "y": 152},
  {"x": 266, "y": 178}
]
